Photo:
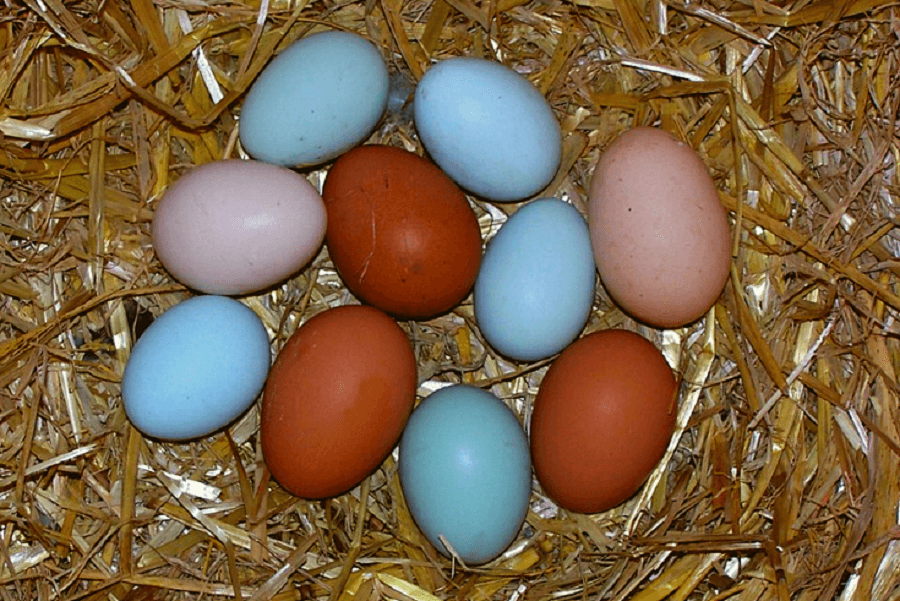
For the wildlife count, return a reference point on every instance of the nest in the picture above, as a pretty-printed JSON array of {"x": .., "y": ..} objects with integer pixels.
[{"x": 783, "y": 478}]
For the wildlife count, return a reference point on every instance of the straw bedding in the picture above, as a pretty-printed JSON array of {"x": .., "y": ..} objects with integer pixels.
[{"x": 783, "y": 479}]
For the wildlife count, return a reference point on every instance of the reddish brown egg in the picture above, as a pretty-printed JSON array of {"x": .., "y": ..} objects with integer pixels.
[
  {"x": 400, "y": 233},
  {"x": 602, "y": 419},
  {"x": 336, "y": 401}
]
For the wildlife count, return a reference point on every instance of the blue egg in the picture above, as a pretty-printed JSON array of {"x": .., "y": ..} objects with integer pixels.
[
  {"x": 465, "y": 470},
  {"x": 317, "y": 99},
  {"x": 535, "y": 287},
  {"x": 198, "y": 367},
  {"x": 488, "y": 128}
]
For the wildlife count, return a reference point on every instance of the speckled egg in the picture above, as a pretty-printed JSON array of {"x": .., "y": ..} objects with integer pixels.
[{"x": 661, "y": 238}]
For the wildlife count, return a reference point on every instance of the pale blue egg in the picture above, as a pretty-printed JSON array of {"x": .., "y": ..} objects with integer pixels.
[
  {"x": 465, "y": 471},
  {"x": 198, "y": 367},
  {"x": 317, "y": 99},
  {"x": 488, "y": 128},
  {"x": 535, "y": 287}
]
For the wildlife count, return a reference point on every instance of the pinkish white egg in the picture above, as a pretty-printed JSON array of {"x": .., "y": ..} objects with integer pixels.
[{"x": 235, "y": 227}]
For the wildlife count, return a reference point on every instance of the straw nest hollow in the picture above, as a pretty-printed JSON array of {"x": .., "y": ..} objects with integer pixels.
[{"x": 783, "y": 478}]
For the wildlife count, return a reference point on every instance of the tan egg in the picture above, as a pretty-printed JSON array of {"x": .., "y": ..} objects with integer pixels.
[{"x": 661, "y": 237}]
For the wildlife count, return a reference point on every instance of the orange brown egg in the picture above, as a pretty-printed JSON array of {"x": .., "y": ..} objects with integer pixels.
[
  {"x": 602, "y": 419},
  {"x": 336, "y": 401}
]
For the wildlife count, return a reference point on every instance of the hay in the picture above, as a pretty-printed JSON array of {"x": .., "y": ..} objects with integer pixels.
[{"x": 783, "y": 480}]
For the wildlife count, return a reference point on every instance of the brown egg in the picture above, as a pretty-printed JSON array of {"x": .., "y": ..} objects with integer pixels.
[
  {"x": 602, "y": 419},
  {"x": 336, "y": 401},
  {"x": 661, "y": 237},
  {"x": 400, "y": 233}
]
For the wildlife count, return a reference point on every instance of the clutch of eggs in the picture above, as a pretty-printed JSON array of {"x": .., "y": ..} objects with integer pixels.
[{"x": 405, "y": 240}]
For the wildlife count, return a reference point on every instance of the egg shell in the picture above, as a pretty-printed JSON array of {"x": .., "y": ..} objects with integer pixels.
[
  {"x": 465, "y": 472},
  {"x": 488, "y": 128},
  {"x": 602, "y": 419},
  {"x": 660, "y": 235},
  {"x": 336, "y": 401},
  {"x": 535, "y": 288},
  {"x": 400, "y": 233},
  {"x": 235, "y": 227},
  {"x": 318, "y": 98},
  {"x": 195, "y": 369}
]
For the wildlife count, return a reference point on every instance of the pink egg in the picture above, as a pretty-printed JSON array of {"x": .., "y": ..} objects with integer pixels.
[{"x": 235, "y": 227}]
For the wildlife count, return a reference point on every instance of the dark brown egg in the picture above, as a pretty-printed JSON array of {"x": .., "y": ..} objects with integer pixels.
[
  {"x": 400, "y": 233},
  {"x": 602, "y": 419},
  {"x": 336, "y": 401}
]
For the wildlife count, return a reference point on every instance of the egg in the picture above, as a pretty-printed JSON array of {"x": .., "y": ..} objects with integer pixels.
[
  {"x": 465, "y": 472},
  {"x": 320, "y": 97},
  {"x": 535, "y": 288},
  {"x": 337, "y": 398},
  {"x": 195, "y": 369},
  {"x": 235, "y": 227},
  {"x": 661, "y": 238},
  {"x": 488, "y": 128},
  {"x": 400, "y": 233},
  {"x": 601, "y": 420}
]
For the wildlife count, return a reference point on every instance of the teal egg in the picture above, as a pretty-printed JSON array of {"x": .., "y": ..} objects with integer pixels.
[
  {"x": 488, "y": 128},
  {"x": 465, "y": 470},
  {"x": 317, "y": 99}
]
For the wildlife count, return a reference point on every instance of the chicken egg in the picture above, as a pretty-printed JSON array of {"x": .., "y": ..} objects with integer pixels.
[
  {"x": 661, "y": 238},
  {"x": 336, "y": 400},
  {"x": 602, "y": 418}
]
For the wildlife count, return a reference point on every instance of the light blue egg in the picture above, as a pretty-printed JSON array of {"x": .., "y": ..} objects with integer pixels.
[
  {"x": 535, "y": 287},
  {"x": 465, "y": 470},
  {"x": 317, "y": 99},
  {"x": 488, "y": 128},
  {"x": 198, "y": 367}
]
